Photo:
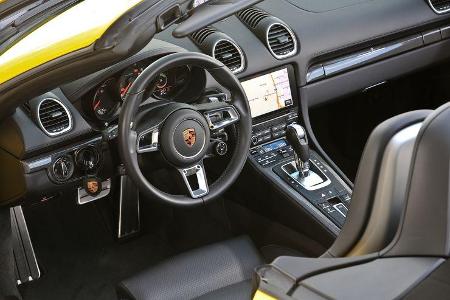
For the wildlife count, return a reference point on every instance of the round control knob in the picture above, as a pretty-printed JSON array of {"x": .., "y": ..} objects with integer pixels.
[
  {"x": 87, "y": 158},
  {"x": 63, "y": 168},
  {"x": 221, "y": 148},
  {"x": 254, "y": 140}
]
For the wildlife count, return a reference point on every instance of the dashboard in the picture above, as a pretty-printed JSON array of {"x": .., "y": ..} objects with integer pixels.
[{"x": 302, "y": 61}]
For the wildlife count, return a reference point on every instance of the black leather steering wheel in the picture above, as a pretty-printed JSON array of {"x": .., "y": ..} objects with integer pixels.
[{"x": 181, "y": 132}]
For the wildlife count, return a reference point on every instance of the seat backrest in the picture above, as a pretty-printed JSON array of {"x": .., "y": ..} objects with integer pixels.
[
  {"x": 424, "y": 228},
  {"x": 380, "y": 187},
  {"x": 415, "y": 265}
]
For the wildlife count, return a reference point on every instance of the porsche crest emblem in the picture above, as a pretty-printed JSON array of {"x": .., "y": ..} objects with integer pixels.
[
  {"x": 92, "y": 187},
  {"x": 189, "y": 136}
]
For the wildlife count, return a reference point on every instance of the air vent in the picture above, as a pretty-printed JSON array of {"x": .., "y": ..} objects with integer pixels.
[
  {"x": 220, "y": 46},
  {"x": 229, "y": 54},
  {"x": 440, "y": 6},
  {"x": 279, "y": 39},
  {"x": 54, "y": 118}
]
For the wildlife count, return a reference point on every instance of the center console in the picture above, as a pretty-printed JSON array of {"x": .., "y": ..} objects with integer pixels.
[{"x": 280, "y": 149}]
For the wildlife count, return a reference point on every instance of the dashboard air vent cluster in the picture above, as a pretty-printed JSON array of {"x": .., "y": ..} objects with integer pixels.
[
  {"x": 220, "y": 46},
  {"x": 53, "y": 116},
  {"x": 440, "y": 6},
  {"x": 278, "y": 37}
]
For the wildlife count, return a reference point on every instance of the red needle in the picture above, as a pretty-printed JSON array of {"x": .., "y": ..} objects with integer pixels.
[
  {"x": 96, "y": 105},
  {"x": 125, "y": 90}
]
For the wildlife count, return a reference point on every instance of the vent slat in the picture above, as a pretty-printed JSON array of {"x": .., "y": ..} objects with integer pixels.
[
  {"x": 252, "y": 16},
  {"x": 54, "y": 117},
  {"x": 201, "y": 35}
]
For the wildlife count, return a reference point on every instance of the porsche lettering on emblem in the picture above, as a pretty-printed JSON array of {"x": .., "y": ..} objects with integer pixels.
[{"x": 189, "y": 136}]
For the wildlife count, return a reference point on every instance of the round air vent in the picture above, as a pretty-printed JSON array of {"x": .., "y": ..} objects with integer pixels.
[
  {"x": 440, "y": 6},
  {"x": 230, "y": 55},
  {"x": 53, "y": 117},
  {"x": 220, "y": 46},
  {"x": 281, "y": 41}
]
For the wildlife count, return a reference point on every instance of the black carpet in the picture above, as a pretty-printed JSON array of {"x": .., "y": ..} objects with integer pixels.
[{"x": 78, "y": 256}]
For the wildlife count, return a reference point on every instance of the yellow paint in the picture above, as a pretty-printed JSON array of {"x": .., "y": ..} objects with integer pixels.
[
  {"x": 76, "y": 28},
  {"x": 259, "y": 295}
]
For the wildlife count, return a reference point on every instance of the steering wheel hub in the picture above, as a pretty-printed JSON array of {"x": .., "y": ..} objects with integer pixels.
[{"x": 184, "y": 138}]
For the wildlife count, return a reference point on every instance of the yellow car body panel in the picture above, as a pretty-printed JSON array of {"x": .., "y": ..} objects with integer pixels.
[
  {"x": 74, "y": 29},
  {"x": 260, "y": 295}
]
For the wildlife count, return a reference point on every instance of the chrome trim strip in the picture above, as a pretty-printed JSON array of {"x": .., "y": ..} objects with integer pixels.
[
  {"x": 19, "y": 213},
  {"x": 366, "y": 57}
]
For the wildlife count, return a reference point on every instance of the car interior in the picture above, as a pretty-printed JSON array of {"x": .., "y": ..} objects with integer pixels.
[{"x": 226, "y": 149}]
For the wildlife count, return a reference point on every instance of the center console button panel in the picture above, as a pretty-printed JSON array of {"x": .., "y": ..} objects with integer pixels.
[
  {"x": 273, "y": 129},
  {"x": 330, "y": 196}
]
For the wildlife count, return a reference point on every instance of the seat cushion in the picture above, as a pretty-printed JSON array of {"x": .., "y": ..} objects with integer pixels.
[{"x": 217, "y": 271}]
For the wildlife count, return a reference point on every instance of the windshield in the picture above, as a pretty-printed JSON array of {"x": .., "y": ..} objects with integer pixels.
[{"x": 17, "y": 17}]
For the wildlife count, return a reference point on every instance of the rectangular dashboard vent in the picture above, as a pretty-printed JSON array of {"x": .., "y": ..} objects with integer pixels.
[{"x": 440, "y": 6}]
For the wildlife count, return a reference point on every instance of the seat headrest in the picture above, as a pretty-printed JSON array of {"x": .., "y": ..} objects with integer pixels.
[{"x": 424, "y": 228}]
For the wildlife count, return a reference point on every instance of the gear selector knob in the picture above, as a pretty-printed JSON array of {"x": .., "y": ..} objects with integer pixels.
[{"x": 296, "y": 136}]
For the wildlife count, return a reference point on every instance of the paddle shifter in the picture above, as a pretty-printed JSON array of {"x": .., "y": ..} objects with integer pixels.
[{"x": 296, "y": 136}]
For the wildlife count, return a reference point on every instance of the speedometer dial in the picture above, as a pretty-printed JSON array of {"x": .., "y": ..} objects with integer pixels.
[
  {"x": 106, "y": 101},
  {"x": 171, "y": 83}
]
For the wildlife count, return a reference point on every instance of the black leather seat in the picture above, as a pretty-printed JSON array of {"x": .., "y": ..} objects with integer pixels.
[{"x": 220, "y": 271}]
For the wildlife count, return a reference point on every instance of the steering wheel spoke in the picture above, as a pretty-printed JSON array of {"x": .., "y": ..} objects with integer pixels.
[
  {"x": 148, "y": 140},
  {"x": 219, "y": 115},
  {"x": 195, "y": 179}
]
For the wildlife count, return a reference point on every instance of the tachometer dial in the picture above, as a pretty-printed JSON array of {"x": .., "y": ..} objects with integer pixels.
[
  {"x": 128, "y": 77},
  {"x": 106, "y": 102}
]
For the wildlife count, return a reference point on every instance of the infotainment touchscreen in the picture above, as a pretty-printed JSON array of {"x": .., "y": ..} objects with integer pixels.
[{"x": 269, "y": 92}]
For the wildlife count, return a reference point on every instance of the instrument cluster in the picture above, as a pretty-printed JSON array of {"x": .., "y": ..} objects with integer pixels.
[{"x": 181, "y": 84}]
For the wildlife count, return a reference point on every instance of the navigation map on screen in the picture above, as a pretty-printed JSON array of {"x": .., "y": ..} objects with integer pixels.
[{"x": 269, "y": 92}]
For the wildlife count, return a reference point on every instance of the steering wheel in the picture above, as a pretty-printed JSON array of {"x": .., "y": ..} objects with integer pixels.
[{"x": 182, "y": 132}]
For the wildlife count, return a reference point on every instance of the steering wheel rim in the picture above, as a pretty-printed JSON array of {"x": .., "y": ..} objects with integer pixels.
[{"x": 128, "y": 136}]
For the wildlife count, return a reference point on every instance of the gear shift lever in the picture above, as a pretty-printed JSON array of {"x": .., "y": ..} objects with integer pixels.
[{"x": 296, "y": 136}]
